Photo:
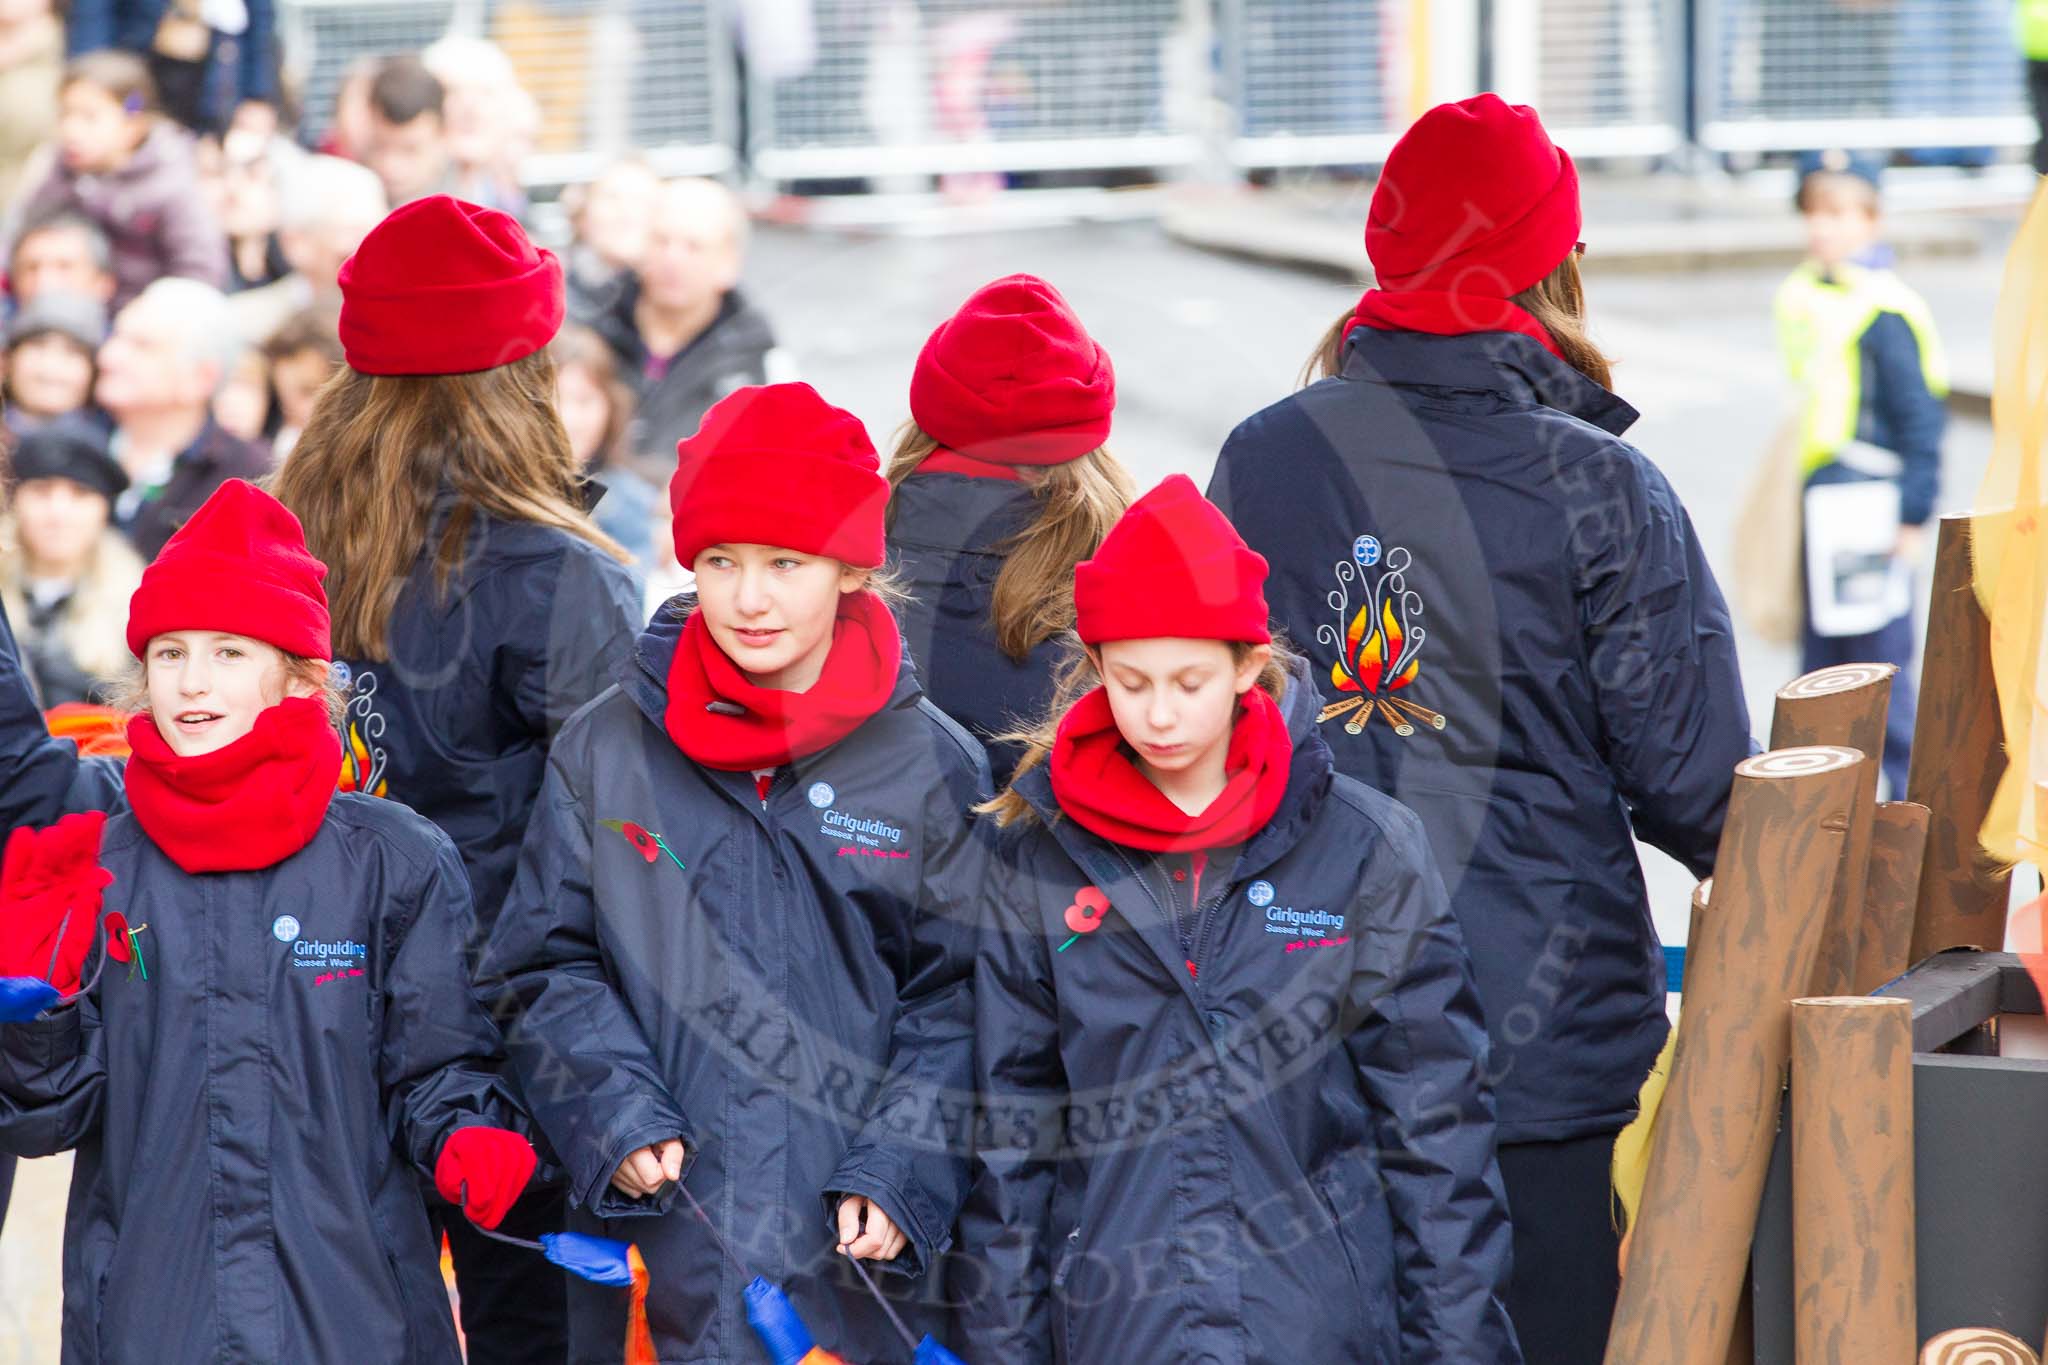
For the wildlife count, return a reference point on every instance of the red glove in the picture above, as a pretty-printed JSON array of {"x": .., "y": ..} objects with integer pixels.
[
  {"x": 50, "y": 886},
  {"x": 493, "y": 1164}
]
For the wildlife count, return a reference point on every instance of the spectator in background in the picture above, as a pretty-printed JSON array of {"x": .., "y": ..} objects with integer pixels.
[
  {"x": 241, "y": 405},
  {"x": 62, "y": 253},
  {"x": 408, "y": 133},
  {"x": 120, "y": 164},
  {"x": 210, "y": 59},
  {"x": 479, "y": 108},
  {"x": 304, "y": 354},
  {"x": 348, "y": 134},
  {"x": 31, "y": 65},
  {"x": 684, "y": 335},
  {"x": 610, "y": 218},
  {"x": 597, "y": 410},
  {"x": 170, "y": 351},
  {"x": 51, "y": 346},
  {"x": 251, "y": 172},
  {"x": 65, "y": 574},
  {"x": 329, "y": 206}
]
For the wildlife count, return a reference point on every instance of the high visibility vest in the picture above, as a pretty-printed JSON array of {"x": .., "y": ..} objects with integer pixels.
[
  {"x": 2030, "y": 23},
  {"x": 1821, "y": 323}
]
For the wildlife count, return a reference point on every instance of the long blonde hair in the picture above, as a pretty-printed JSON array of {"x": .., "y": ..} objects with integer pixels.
[
  {"x": 1558, "y": 301},
  {"x": 379, "y": 448},
  {"x": 1077, "y": 676},
  {"x": 94, "y": 626},
  {"x": 1078, "y": 501}
]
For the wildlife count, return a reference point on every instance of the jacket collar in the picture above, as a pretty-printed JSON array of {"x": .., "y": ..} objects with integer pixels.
[
  {"x": 959, "y": 513},
  {"x": 1500, "y": 363}
]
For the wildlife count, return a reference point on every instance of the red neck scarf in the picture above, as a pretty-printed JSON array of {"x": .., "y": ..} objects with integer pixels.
[
  {"x": 761, "y": 727},
  {"x": 1098, "y": 783},
  {"x": 251, "y": 804},
  {"x": 1446, "y": 314},
  {"x": 944, "y": 461}
]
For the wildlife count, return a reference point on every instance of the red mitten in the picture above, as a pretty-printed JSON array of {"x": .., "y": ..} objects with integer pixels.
[
  {"x": 50, "y": 888},
  {"x": 493, "y": 1164}
]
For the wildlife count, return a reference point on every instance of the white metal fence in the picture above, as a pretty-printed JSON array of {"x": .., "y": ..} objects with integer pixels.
[
  {"x": 656, "y": 77},
  {"x": 1799, "y": 74},
  {"x": 918, "y": 87},
  {"x": 872, "y": 89}
]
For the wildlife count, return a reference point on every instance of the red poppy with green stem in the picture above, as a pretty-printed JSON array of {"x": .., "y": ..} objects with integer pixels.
[
  {"x": 1084, "y": 916},
  {"x": 649, "y": 844}
]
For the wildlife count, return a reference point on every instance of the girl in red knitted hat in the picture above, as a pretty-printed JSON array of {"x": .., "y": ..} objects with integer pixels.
[
  {"x": 476, "y": 604},
  {"x": 1002, "y": 484},
  {"x": 266, "y": 1042},
  {"x": 727, "y": 957},
  {"x": 1229, "y": 1048}
]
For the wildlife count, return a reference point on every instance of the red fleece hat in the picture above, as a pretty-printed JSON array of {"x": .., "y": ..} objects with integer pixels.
[
  {"x": 775, "y": 464},
  {"x": 241, "y": 566},
  {"x": 1013, "y": 378},
  {"x": 1475, "y": 199},
  {"x": 444, "y": 287},
  {"x": 1172, "y": 568}
]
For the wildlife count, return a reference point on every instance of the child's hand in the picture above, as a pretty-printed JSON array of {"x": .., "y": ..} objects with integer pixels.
[
  {"x": 865, "y": 1232},
  {"x": 648, "y": 1169}
]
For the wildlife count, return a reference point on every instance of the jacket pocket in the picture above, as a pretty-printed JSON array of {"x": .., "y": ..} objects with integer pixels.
[
  {"x": 1337, "y": 1199},
  {"x": 412, "y": 1346}
]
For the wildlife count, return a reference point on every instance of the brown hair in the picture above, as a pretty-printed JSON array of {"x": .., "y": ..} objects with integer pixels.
[
  {"x": 1076, "y": 676},
  {"x": 583, "y": 348},
  {"x": 123, "y": 75},
  {"x": 1558, "y": 301},
  {"x": 379, "y": 449},
  {"x": 403, "y": 89},
  {"x": 1837, "y": 185},
  {"x": 1078, "y": 502},
  {"x": 130, "y": 693}
]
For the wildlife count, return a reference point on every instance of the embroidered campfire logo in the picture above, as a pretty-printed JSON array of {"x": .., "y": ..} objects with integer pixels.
[
  {"x": 363, "y": 759},
  {"x": 1379, "y": 645}
]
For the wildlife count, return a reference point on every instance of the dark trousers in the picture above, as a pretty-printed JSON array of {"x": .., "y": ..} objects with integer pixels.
[
  {"x": 1567, "y": 1275},
  {"x": 514, "y": 1304},
  {"x": 1891, "y": 645}
]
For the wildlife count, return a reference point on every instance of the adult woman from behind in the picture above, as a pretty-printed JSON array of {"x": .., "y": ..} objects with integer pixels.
[
  {"x": 1522, "y": 641},
  {"x": 1001, "y": 485}
]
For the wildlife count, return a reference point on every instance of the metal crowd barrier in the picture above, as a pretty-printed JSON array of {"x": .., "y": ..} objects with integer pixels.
[
  {"x": 611, "y": 77},
  {"x": 874, "y": 89},
  {"x": 925, "y": 87},
  {"x": 1787, "y": 75}
]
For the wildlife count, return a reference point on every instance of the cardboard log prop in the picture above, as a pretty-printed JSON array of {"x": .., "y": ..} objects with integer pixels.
[
  {"x": 1977, "y": 1346},
  {"x": 1958, "y": 759},
  {"x": 1852, "y": 1180},
  {"x": 1780, "y": 851},
  {"x": 1842, "y": 705},
  {"x": 1898, "y": 846}
]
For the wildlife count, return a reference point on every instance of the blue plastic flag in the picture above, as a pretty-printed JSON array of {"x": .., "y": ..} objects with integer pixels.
[
  {"x": 929, "y": 1352},
  {"x": 22, "y": 998},
  {"x": 774, "y": 1318},
  {"x": 599, "y": 1260}
]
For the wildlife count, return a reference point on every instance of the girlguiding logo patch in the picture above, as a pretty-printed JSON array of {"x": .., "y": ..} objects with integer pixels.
[
  {"x": 284, "y": 928},
  {"x": 821, "y": 795},
  {"x": 1260, "y": 894}
]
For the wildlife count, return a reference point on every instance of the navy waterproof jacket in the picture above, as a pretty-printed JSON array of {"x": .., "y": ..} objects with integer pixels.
[
  {"x": 776, "y": 982},
  {"x": 1242, "y": 1120},
  {"x": 456, "y": 723},
  {"x": 1522, "y": 642},
  {"x": 946, "y": 539},
  {"x": 257, "y": 1106}
]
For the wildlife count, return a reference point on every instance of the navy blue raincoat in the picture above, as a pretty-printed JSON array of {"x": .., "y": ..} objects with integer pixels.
[
  {"x": 456, "y": 722},
  {"x": 1243, "y": 1118},
  {"x": 947, "y": 538},
  {"x": 776, "y": 981},
  {"x": 257, "y": 1104},
  {"x": 1522, "y": 641}
]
